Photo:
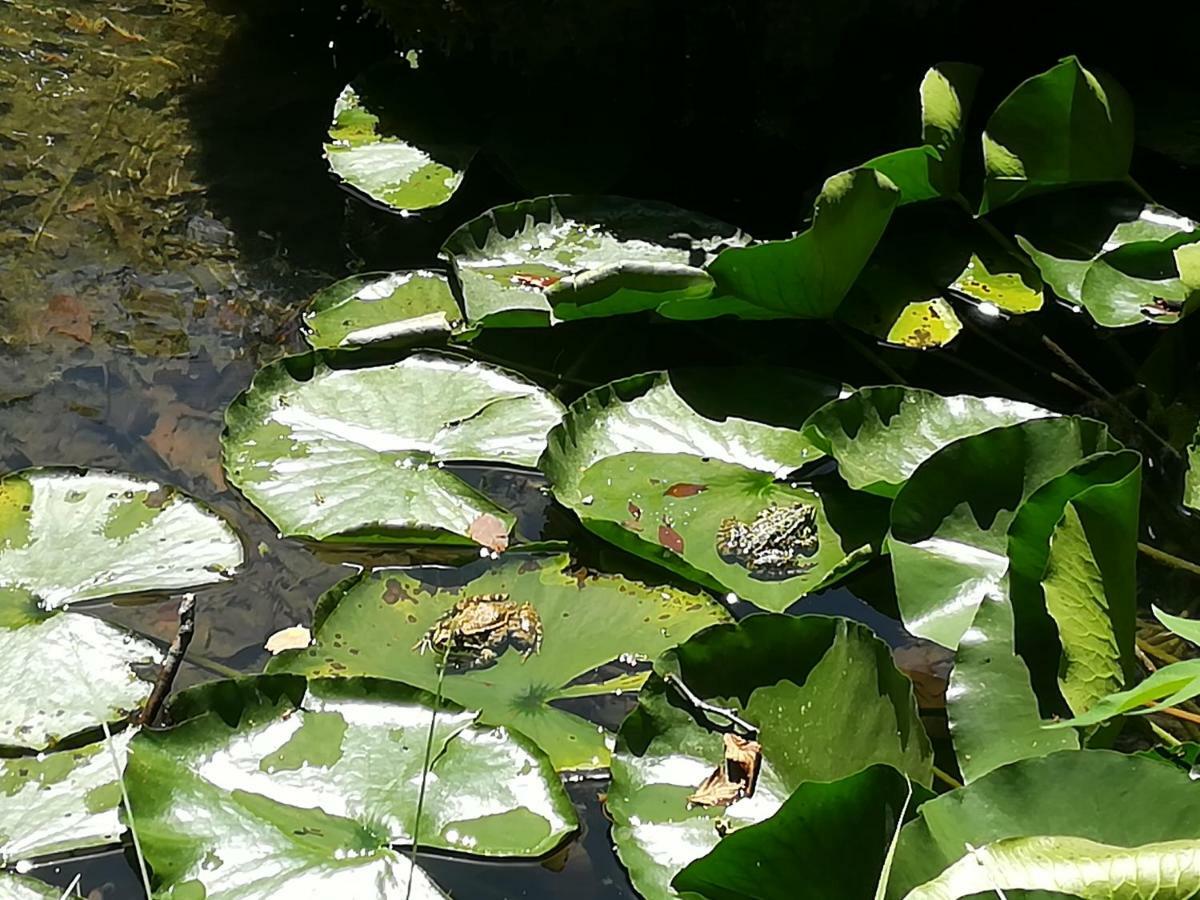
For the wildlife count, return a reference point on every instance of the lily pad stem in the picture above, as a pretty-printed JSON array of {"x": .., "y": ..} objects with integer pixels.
[
  {"x": 709, "y": 709},
  {"x": 946, "y": 778},
  {"x": 1168, "y": 559},
  {"x": 172, "y": 662},
  {"x": 866, "y": 353},
  {"x": 437, "y": 702}
]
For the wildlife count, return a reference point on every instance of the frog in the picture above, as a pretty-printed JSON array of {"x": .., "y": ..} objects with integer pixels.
[
  {"x": 777, "y": 544},
  {"x": 477, "y": 629}
]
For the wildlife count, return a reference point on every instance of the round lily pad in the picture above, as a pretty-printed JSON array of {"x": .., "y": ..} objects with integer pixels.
[
  {"x": 388, "y": 308},
  {"x": 330, "y": 452},
  {"x": 824, "y": 701},
  {"x": 373, "y": 624},
  {"x": 277, "y": 786},
  {"x": 16, "y": 887}
]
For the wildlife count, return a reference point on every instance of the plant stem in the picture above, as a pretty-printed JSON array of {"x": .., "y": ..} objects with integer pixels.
[
  {"x": 137, "y": 844},
  {"x": 1148, "y": 649},
  {"x": 1025, "y": 361},
  {"x": 437, "y": 702},
  {"x": 1176, "y": 713},
  {"x": 1165, "y": 736},
  {"x": 172, "y": 662},
  {"x": 865, "y": 352},
  {"x": 706, "y": 707},
  {"x": 1168, "y": 559},
  {"x": 946, "y": 778}
]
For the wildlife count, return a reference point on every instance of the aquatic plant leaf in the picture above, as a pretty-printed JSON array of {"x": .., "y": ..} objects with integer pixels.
[
  {"x": 389, "y": 308},
  {"x": 383, "y": 165},
  {"x": 1169, "y": 686},
  {"x": 1072, "y": 580},
  {"x": 990, "y": 703},
  {"x": 273, "y": 785},
  {"x": 949, "y": 535},
  {"x": 808, "y": 275},
  {"x": 1006, "y": 284},
  {"x": 68, "y": 536},
  {"x": 371, "y": 624},
  {"x": 1074, "y": 866},
  {"x": 560, "y": 257},
  {"x": 357, "y": 452},
  {"x": 1188, "y": 629},
  {"x": 769, "y": 542},
  {"x": 18, "y": 887},
  {"x": 827, "y": 702},
  {"x": 56, "y": 802},
  {"x": 1142, "y": 802},
  {"x": 1191, "y": 484},
  {"x": 1066, "y": 126},
  {"x": 880, "y": 435},
  {"x": 932, "y": 170},
  {"x": 828, "y": 839}
]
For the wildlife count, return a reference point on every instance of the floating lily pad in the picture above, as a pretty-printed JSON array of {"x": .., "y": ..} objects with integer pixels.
[
  {"x": 949, "y": 537},
  {"x": 371, "y": 625},
  {"x": 16, "y": 887},
  {"x": 1142, "y": 802},
  {"x": 560, "y": 257},
  {"x": 880, "y": 435},
  {"x": 276, "y": 786},
  {"x": 1010, "y": 288},
  {"x": 62, "y": 801},
  {"x": 808, "y": 275},
  {"x": 826, "y": 701},
  {"x": 931, "y": 170},
  {"x": 1191, "y": 487},
  {"x": 69, "y": 536},
  {"x": 1064, "y": 127},
  {"x": 357, "y": 453},
  {"x": 386, "y": 164},
  {"x": 390, "y": 308}
]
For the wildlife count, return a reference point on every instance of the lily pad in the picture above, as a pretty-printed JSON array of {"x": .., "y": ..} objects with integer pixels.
[
  {"x": 932, "y": 170},
  {"x": 61, "y": 801},
  {"x": 357, "y": 453},
  {"x": 827, "y": 840},
  {"x": 1191, "y": 487},
  {"x": 16, "y": 887},
  {"x": 68, "y": 536},
  {"x": 880, "y": 435},
  {"x": 1143, "y": 802},
  {"x": 825, "y": 699},
  {"x": 386, "y": 165},
  {"x": 539, "y": 261},
  {"x": 1066, "y": 126},
  {"x": 390, "y": 308},
  {"x": 949, "y": 537},
  {"x": 808, "y": 275},
  {"x": 1005, "y": 285},
  {"x": 371, "y": 624},
  {"x": 276, "y": 786}
]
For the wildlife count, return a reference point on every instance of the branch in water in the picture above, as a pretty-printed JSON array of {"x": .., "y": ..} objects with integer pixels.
[
  {"x": 728, "y": 714},
  {"x": 172, "y": 662}
]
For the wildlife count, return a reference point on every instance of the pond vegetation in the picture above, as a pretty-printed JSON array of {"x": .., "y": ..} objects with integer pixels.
[{"x": 548, "y": 513}]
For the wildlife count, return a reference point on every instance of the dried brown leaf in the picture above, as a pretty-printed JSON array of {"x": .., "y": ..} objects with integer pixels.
[{"x": 489, "y": 531}]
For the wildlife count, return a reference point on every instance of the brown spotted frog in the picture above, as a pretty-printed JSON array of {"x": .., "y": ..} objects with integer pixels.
[
  {"x": 476, "y": 630},
  {"x": 779, "y": 543}
]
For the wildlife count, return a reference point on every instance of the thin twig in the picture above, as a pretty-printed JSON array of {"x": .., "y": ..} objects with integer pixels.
[
  {"x": 1176, "y": 713},
  {"x": 437, "y": 702},
  {"x": 873, "y": 358},
  {"x": 706, "y": 707},
  {"x": 1145, "y": 648},
  {"x": 947, "y": 778},
  {"x": 1143, "y": 658},
  {"x": 1108, "y": 396},
  {"x": 137, "y": 843},
  {"x": 1168, "y": 559},
  {"x": 1163, "y": 735},
  {"x": 1025, "y": 361},
  {"x": 172, "y": 662}
]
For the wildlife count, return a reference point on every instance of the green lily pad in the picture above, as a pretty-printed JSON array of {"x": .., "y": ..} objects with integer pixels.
[
  {"x": 390, "y": 308},
  {"x": 1008, "y": 286},
  {"x": 370, "y": 624},
  {"x": 68, "y": 536},
  {"x": 276, "y": 786},
  {"x": 808, "y": 275},
  {"x": 826, "y": 701},
  {"x": 16, "y": 887},
  {"x": 880, "y": 435},
  {"x": 1146, "y": 270},
  {"x": 1191, "y": 486},
  {"x": 949, "y": 537},
  {"x": 827, "y": 840},
  {"x": 358, "y": 452},
  {"x": 1066, "y": 126},
  {"x": 932, "y": 170},
  {"x": 63, "y": 801},
  {"x": 1141, "y": 802},
  {"x": 769, "y": 542},
  {"x": 990, "y": 703},
  {"x": 389, "y": 168},
  {"x": 1067, "y": 865},
  {"x": 540, "y": 261}
]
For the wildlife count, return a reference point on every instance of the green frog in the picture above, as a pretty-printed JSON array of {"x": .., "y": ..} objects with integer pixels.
[
  {"x": 476, "y": 630},
  {"x": 778, "y": 544}
]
